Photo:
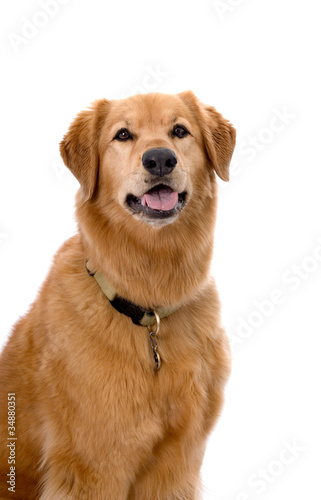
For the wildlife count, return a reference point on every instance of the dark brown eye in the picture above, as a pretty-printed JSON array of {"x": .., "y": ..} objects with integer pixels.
[
  {"x": 123, "y": 135},
  {"x": 180, "y": 131}
]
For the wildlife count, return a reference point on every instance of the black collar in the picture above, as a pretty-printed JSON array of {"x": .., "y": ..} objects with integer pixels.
[{"x": 138, "y": 315}]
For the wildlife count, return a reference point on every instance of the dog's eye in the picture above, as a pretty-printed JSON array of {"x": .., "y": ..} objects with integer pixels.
[
  {"x": 180, "y": 131},
  {"x": 123, "y": 135}
]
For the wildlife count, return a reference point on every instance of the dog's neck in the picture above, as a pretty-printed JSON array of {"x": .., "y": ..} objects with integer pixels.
[{"x": 150, "y": 266}]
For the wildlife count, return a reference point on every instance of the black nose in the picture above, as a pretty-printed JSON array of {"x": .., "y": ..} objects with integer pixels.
[{"x": 159, "y": 161}]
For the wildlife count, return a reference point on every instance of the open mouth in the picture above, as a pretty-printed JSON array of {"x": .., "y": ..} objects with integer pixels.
[{"x": 160, "y": 202}]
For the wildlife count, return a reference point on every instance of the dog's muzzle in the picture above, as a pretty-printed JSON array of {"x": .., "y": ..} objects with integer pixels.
[
  {"x": 160, "y": 202},
  {"x": 163, "y": 199}
]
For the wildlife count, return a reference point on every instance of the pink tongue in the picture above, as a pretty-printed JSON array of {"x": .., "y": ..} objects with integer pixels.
[{"x": 163, "y": 199}]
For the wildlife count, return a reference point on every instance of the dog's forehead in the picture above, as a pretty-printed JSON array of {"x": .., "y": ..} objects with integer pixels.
[{"x": 152, "y": 109}]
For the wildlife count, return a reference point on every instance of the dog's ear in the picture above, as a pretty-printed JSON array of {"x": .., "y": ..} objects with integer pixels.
[
  {"x": 79, "y": 147},
  {"x": 218, "y": 134}
]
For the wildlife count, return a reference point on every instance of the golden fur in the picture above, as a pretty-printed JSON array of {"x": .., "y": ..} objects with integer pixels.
[{"x": 94, "y": 420}]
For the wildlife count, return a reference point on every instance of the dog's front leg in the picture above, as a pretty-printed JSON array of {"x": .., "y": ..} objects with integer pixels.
[
  {"x": 81, "y": 483},
  {"x": 110, "y": 489},
  {"x": 174, "y": 473}
]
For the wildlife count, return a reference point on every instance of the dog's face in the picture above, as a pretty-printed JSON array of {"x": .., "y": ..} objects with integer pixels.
[
  {"x": 151, "y": 155},
  {"x": 151, "y": 148}
]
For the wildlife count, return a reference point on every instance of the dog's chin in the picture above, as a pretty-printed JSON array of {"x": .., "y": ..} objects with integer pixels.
[{"x": 159, "y": 206}]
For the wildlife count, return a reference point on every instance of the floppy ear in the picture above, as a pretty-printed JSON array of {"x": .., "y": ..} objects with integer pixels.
[
  {"x": 79, "y": 147},
  {"x": 219, "y": 135}
]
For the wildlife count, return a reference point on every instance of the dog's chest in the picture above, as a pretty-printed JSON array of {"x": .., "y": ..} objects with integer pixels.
[{"x": 180, "y": 399}]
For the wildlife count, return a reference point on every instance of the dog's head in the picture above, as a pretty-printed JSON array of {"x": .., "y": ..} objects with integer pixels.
[{"x": 151, "y": 155}]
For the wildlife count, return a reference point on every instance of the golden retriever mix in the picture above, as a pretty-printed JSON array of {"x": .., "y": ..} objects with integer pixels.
[{"x": 113, "y": 380}]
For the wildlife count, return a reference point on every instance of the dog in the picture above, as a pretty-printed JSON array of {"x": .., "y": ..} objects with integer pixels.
[{"x": 115, "y": 377}]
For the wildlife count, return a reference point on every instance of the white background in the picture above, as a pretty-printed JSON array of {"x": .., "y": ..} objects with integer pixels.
[{"x": 253, "y": 61}]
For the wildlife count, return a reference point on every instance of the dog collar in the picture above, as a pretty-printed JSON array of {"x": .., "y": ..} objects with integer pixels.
[{"x": 138, "y": 315}]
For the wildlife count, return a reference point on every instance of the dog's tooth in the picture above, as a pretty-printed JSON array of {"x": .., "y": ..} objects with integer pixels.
[{"x": 143, "y": 201}]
